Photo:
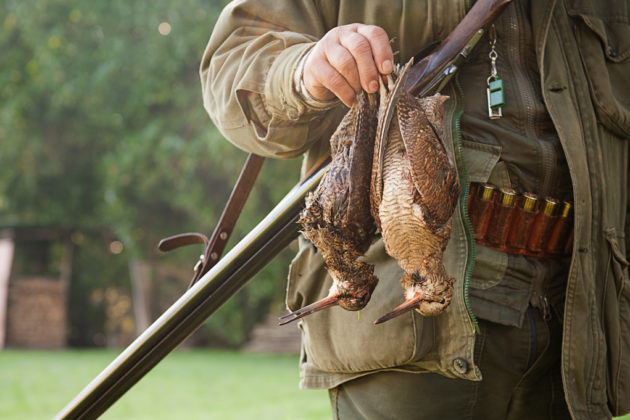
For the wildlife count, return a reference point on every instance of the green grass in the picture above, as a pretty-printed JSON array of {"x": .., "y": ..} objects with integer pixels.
[{"x": 188, "y": 384}]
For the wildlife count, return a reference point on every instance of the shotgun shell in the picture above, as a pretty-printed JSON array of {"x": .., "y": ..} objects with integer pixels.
[
  {"x": 486, "y": 191},
  {"x": 549, "y": 206},
  {"x": 543, "y": 225},
  {"x": 507, "y": 197},
  {"x": 561, "y": 232},
  {"x": 523, "y": 220},
  {"x": 529, "y": 201},
  {"x": 502, "y": 218},
  {"x": 481, "y": 209},
  {"x": 567, "y": 209}
]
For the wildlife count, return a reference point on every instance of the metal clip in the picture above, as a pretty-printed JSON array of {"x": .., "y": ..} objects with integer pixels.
[
  {"x": 449, "y": 70},
  {"x": 199, "y": 264}
]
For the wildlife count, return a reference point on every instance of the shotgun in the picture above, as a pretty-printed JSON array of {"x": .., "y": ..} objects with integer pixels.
[{"x": 263, "y": 243}]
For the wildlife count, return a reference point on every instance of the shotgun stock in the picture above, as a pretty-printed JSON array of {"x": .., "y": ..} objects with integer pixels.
[{"x": 254, "y": 251}]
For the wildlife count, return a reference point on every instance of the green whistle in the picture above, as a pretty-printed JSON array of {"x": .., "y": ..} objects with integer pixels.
[{"x": 496, "y": 98}]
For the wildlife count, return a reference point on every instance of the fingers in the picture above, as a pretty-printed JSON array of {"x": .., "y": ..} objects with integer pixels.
[
  {"x": 347, "y": 59},
  {"x": 380, "y": 46},
  {"x": 324, "y": 82},
  {"x": 360, "y": 49}
]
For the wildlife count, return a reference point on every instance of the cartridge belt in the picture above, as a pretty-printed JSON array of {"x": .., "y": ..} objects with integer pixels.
[{"x": 520, "y": 223}]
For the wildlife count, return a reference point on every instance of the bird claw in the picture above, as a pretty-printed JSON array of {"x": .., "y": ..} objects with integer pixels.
[{"x": 309, "y": 309}]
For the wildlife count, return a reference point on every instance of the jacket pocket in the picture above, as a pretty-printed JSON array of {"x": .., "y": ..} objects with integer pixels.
[
  {"x": 480, "y": 159},
  {"x": 619, "y": 263},
  {"x": 336, "y": 340},
  {"x": 617, "y": 315},
  {"x": 483, "y": 165},
  {"x": 604, "y": 43}
]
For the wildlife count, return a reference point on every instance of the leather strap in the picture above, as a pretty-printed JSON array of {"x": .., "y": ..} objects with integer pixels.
[
  {"x": 216, "y": 244},
  {"x": 182, "y": 239}
]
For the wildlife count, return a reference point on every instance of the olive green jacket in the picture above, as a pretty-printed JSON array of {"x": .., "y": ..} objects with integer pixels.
[{"x": 583, "y": 54}]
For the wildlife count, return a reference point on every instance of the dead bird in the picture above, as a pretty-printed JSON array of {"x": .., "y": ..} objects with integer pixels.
[
  {"x": 414, "y": 190},
  {"x": 337, "y": 217}
]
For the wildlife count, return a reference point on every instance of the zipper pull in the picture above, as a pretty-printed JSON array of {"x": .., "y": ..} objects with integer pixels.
[{"x": 544, "y": 303}]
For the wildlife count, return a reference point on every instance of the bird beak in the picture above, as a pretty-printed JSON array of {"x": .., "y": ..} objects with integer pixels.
[
  {"x": 401, "y": 309},
  {"x": 309, "y": 309}
]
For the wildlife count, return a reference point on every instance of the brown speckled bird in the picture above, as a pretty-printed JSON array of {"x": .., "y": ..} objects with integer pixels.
[
  {"x": 337, "y": 217},
  {"x": 413, "y": 194}
]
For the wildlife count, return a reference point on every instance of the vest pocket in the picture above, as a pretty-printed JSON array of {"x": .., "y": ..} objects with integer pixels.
[
  {"x": 604, "y": 44},
  {"x": 340, "y": 341}
]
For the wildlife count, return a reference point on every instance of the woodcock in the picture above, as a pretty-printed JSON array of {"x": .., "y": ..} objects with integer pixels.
[
  {"x": 337, "y": 217},
  {"x": 413, "y": 194},
  {"x": 388, "y": 167}
]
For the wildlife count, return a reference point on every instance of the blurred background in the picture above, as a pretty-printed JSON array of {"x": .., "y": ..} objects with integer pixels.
[{"x": 105, "y": 148}]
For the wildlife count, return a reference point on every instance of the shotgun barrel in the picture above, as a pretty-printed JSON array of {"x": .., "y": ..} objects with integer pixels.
[{"x": 187, "y": 314}]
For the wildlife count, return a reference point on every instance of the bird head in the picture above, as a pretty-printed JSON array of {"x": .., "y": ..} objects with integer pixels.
[
  {"x": 429, "y": 293},
  {"x": 351, "y": 290},
  {"x": 354, "y": 290}
]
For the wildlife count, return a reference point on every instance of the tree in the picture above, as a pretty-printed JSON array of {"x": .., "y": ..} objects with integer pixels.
[{"x": 103, "y": 130}]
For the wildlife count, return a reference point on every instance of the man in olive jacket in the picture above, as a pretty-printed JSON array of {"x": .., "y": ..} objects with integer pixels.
[{"x": 524, "y": 337}]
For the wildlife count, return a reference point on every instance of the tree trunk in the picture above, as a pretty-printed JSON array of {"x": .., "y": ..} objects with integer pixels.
[
  {"x": 141, "y": 289},
  {"x": 6, "y": 261}
]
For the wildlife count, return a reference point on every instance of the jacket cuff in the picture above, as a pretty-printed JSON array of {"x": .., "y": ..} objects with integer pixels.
[{"x": 282, "y": 96}]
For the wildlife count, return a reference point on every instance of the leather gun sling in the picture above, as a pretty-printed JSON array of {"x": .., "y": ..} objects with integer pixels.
[{"x": 216, "y": 244}]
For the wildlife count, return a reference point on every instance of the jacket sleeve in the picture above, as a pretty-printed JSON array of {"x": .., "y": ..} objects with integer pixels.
[{"x": 247, "y": 76}]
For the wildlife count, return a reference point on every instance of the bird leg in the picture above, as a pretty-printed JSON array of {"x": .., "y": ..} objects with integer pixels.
[
  {"x": 405, "y": 307},
  {"x": 327, "y": 302},
  {"x": 352, "y": 293}
]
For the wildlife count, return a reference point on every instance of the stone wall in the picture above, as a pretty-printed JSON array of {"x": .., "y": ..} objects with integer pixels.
[{"x": 36, "y": 313}]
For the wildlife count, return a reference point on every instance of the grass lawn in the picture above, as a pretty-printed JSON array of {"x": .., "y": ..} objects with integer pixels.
[{"x": 188, "y": 384}]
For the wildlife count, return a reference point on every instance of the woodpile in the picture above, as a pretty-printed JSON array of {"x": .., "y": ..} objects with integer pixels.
[{"x": 36, "y": 313}]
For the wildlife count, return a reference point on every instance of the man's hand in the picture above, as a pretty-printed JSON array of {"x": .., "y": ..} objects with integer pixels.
[{"x": 347, "y": 59}]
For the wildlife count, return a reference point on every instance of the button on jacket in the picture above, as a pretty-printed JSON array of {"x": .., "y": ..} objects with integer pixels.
[{"x": 583, "y": 57}]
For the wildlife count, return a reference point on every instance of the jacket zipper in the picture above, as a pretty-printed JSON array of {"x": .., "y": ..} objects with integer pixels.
[
  {"x": 524, "y": 86},
  {"x": 463, "y": 178}
]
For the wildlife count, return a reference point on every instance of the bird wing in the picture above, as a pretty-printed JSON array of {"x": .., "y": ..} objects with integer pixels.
[
  {"x": 361, "y": 152},
  {"x": 386, "y": 112},
  {"x": 432, "y": 172}
]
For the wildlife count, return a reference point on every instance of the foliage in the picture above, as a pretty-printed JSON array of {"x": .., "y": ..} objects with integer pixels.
[{"x": 103, "y": 130}]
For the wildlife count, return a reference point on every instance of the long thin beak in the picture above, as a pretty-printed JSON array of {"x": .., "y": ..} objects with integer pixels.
[
  {"x": 400, "y": 309},
  {"x": 309, "y": 309}
]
